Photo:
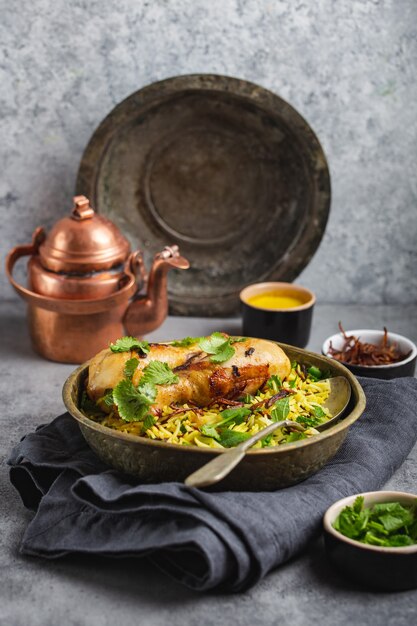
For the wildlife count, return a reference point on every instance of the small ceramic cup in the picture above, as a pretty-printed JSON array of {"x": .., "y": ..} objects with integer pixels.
[
  {"x": 287, "y": 325},
  {"x": 406, "y": 367},
  {"x": 389, "y": 569}
]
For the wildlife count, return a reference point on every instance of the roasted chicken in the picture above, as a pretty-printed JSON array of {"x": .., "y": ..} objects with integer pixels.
[{"x": 200, "y": 381}]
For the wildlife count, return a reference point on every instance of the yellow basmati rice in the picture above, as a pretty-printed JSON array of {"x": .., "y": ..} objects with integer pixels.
[{"x": 184, "y": 428}]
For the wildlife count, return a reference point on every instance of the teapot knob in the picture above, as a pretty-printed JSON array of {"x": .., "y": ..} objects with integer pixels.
[
  {"x": 169, "y": 252},
  {"x": 82, "y": 209}
]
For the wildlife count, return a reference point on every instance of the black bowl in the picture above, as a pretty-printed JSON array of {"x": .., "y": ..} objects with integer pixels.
[
  {"x": 375, "y": 567},
  {"x": 290, "y": 325}
]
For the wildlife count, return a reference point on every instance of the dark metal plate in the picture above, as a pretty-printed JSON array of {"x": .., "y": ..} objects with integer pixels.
[{"x": 222, "y": 167}]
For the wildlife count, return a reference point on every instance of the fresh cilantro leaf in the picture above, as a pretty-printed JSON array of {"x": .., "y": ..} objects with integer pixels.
[
  {"x": 149, "y": 421},
  {"x": 318, "y": 411},
  {"x": 295, "y": 436},
  {"x": 142, "y": 346},
  {"x": 292, "y": 383},
  {"x": 377, "y": 526},
  {"x": 88, "y": 406},
  {"x": 131, "y": 402},
  {"x": 412, "y": 529},
  {"x": 393, "y": 516},
  {"x": 274, "y": 383},
  {"x": 352, "y": 522},
  {"x": 266, "y": 441},
  {"x": 280, "y": 410},
  {"x": 209, "y": 431},
  {"x": 238, "y": 339},
  {"x": 391, "y": 522},
  {"x": 396, "y": 541},
  {"x": 86, "y": 403},
  {"x": 226, "y": 437},
  {"x": 108, "y": 398},
  {"x": 394, "y": 508},
  {"x": 148, "y": 390},
  {"x": 218, "y": 346},
  {"x": 130, "y": 367},
  {"x": 236, "y": 415},
  {"x": 358, "y": 504},
  {"x": 224, "y": 354},
  {"x": 374, "y": 540},
  {"x": 308, "y": 421},
  {"x": 247, "y": 398},
  {"x": 386, "y": 524},
  {"x": 130, "y": 343},
  {"x": 158, "y": 373},
  {"x": 187, "y": 341},
  {"x": 231, "y": 438},
  {"x": 315, "y": 373},
  {"x": 213, "y": 343}
]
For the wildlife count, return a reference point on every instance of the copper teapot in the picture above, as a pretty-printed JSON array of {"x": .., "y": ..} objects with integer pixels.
[{"x": 84, "y": 283}]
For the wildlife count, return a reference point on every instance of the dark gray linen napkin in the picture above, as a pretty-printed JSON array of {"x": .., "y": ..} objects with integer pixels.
[{"x": 223, "y": 540}]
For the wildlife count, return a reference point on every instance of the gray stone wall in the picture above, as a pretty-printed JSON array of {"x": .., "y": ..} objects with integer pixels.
[{"x": 349, "y": 67}]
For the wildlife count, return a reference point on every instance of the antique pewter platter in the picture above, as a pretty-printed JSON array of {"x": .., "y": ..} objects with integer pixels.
[
  {"x": 222, "y": 167},
  {"x": 265, "y": 469}
]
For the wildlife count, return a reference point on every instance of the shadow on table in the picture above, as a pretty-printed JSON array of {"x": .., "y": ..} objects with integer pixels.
[
  {"x": 129, "y": 578},
  {"x": 140, "y": 579},
  {"x": 324, "y": 572},
  {"x": 327, "y": 576},
  {"x": 15, "y": 338}
]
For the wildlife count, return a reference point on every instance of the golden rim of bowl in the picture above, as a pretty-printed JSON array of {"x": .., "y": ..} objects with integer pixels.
[{"x": 287, "y": 289}]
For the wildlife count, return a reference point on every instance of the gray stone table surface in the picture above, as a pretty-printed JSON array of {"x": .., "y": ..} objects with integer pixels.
[{"x": 83, "y": 590}]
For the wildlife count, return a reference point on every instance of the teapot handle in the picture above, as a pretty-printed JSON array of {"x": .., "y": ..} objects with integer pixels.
[{"x": 24, "y": 250}]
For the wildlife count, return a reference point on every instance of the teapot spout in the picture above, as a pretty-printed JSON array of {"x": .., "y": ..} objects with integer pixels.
[{"x": 146, "y": 313}]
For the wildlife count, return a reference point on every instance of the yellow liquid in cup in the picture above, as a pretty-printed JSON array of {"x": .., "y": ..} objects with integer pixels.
[{"x": 274, "y": 300}]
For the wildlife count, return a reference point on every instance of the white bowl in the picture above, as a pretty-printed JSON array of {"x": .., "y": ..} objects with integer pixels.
[
  {"x": 406, "y": 367},
  {"x": 373, "y": 566}
]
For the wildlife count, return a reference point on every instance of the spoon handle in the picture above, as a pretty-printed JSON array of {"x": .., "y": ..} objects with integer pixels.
[{"x": 219, "y": 467}]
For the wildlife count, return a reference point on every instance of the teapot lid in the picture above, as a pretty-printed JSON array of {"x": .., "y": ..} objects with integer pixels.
[{"x": 83, "y": 242}]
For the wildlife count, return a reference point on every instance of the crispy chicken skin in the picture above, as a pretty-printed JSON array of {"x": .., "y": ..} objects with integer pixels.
[{"x": 200, "y": 380}]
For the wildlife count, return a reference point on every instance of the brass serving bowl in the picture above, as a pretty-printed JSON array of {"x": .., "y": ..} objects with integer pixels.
[{"x": 263, "y": 469}]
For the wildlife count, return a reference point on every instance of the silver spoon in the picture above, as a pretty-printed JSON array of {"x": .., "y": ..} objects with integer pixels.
[{"x": 218, "y": 468}]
